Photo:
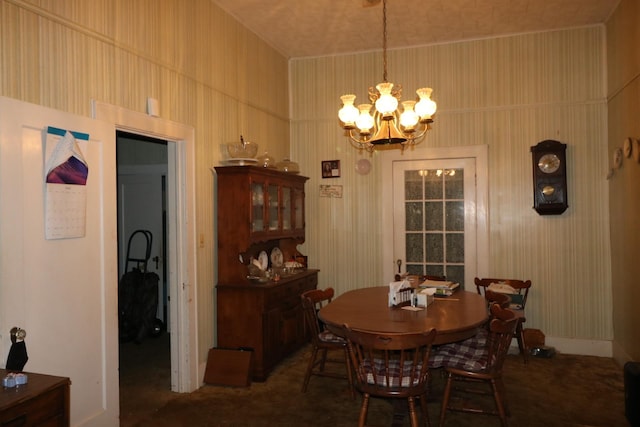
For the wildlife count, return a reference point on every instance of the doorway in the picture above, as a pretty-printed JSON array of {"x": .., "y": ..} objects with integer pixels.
[
  {"x": 145, "y": 339},
  {"x": 438, "y": 221}
]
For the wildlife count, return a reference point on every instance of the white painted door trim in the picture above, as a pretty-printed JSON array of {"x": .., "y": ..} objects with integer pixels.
[
  {"x": 481, "y": 155},
  {"x": 181, "y": 264}
]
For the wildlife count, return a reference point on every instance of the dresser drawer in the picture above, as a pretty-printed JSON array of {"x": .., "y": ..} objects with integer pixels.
[{"x": 47, "y": 409}]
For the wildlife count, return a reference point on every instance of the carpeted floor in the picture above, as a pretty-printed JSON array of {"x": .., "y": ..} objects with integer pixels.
[{"x": 566, "y": 390}]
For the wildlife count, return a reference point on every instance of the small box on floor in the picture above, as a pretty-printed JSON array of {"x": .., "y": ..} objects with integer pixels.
[{"x": 228, "y": 367}]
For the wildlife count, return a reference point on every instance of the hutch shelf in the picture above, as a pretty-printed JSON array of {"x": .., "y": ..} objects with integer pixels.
[{"x": 260, "y": 210}]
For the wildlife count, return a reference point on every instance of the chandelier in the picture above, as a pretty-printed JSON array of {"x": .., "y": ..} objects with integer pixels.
[{"x": 381, "y": 122}]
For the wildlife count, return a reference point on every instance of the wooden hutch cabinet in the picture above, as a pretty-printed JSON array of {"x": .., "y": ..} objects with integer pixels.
[{"x": 260, "y": 211}]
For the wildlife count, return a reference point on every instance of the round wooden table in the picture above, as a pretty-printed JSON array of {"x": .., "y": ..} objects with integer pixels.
[{"x": 455, "y": 318}]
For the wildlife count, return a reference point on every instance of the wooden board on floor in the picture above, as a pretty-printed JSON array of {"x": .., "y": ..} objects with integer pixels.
[{"x": 228, "y": 367}]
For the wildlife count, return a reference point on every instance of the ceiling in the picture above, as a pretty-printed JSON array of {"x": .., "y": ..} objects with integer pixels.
[{"x": 303, "y": 28}]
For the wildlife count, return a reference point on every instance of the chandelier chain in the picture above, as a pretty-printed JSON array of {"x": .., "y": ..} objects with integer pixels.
[{"x": 384, "y": 40}]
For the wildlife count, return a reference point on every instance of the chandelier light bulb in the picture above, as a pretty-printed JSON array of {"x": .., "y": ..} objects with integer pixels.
[
  {"x": 365, "y": 121},
  {"x": 409, "y": 118},
  {"x": 348, "y": 114},
  {"x": 426, "y": 107},
  {"x": 387, "y": 103}
]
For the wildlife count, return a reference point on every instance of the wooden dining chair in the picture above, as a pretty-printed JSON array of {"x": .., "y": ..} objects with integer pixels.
[
  {"x": 518, "y": 303},
  {"x": 323, "y": 341},
  {"x": 391, "y": 366},
  {"x": 476, "y": 362},
  {"x": 504, "y": 300}
]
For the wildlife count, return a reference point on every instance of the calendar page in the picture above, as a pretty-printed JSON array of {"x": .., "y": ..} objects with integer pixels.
[{"x": 66, "y": 173}]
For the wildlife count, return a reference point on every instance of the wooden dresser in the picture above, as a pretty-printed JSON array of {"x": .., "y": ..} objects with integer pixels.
[
  {"x": 260, "y": 212},
  {"x": 43, "y": 401}
]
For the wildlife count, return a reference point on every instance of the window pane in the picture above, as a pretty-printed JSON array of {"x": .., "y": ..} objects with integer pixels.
[
  {"x": 455, "y": 273},
  {"x": 412, "y": 185},
  {"x": 414, "y": 249},
  {"x": 433, "y": 221},
  {"x": 413, "y": 216},
  {"x": 432, "y": 186},
  {"x": 435, "y": 248},
  {"x": 455, "y": 248},
  {"x": 435, "y": 270},
  {"x": 454, "y": 184},
  {"x": 455, "y": 216},
  {"x": 414, "y": 269}
]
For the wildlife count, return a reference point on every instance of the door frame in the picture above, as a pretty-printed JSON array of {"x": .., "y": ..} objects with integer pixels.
[
  {"x": 181, "y": 265},
  {"x": 481, "y": 155}
]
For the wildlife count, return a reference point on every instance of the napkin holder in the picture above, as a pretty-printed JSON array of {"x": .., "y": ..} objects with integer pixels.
[
  {"x": 425, "y": 297},
  {"x": 400, "y": 294}
]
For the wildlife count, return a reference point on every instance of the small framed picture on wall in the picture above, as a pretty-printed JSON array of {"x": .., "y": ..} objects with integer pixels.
[{"x": 331, "y": 169}]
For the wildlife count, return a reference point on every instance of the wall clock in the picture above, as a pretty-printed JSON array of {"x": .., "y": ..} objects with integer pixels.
[{"x": 549, "y": 177}]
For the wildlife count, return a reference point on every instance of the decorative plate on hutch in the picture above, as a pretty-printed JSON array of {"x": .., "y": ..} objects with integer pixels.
[
  {"x": 264, "y": 260},
  {"x": 277, "y": 259}
]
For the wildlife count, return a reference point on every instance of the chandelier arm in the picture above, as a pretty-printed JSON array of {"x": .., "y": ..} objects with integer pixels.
[
  {"x": 361, "y": 144},
  {"x": 418, "y": 134}
]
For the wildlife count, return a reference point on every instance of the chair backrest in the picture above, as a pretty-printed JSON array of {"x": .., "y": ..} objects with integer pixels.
[
  {"x": 521, "y": 287},
  {"x": 312, "y": 302},
  {"x": 501, "y": 329},
  {"x": 392, "y": 365},
  {"x": 497, "y": 298}
]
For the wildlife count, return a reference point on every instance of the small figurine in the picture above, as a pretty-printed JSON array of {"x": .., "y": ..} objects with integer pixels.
[{"x": 17, "y": 357}]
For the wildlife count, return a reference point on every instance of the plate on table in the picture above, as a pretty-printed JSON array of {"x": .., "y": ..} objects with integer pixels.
[
  {"x": 277, "y": 259},
  {"x": 264, "y": 260}
]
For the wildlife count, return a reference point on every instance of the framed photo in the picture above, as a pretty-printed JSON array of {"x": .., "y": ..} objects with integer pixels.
[{"x": 331, "y": 169}]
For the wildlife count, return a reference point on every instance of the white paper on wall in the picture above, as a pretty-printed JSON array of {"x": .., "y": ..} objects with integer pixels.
[{"x": 66, "y": 173}]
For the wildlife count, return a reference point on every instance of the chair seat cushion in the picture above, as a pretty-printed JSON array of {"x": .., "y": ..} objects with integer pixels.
[
  {"x": 326, "y": 336},
  {"x": 469, "y": 355},
  {"x": 376, "y": 373}
]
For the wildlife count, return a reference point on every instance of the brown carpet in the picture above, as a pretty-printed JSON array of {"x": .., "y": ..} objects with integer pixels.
[{"x": 565, "y": 390}]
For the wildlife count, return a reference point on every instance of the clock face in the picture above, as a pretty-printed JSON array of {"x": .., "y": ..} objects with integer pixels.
[{"x": 549, "y": 163}]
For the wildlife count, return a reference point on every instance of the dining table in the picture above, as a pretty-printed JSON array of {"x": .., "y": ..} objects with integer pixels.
[{"x": 455, "y": 317}]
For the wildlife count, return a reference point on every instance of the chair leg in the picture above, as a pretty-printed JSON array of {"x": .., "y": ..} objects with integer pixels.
[
  {"x": 498, "y": 398},
  {"x": 307, "y": 375},
  {"x": 362, "y": 421},
  {"x": 520, "y": 338},
  {"x": 445, "y": 398},
  {"x": 425, "y": 410},
  {"x": 503, "y": 396},
  {"x": 413, "y": 416},
  {"x": 347, "y": 361},
  {"x": 323, "y": 359}
]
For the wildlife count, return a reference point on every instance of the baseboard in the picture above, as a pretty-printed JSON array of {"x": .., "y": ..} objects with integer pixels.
[{"x": 582, "y": 347}]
